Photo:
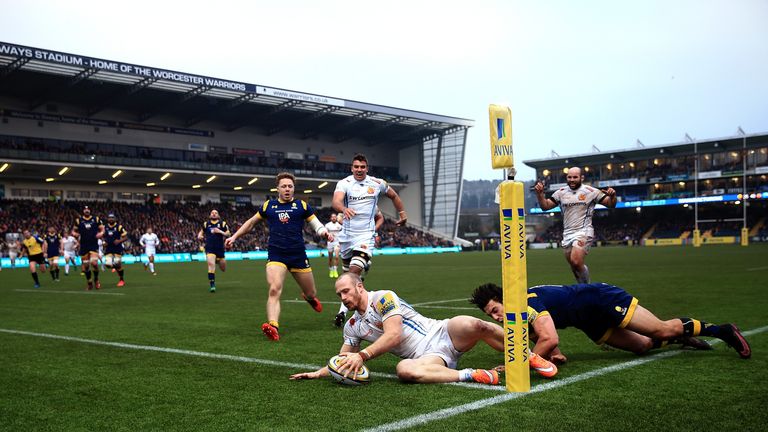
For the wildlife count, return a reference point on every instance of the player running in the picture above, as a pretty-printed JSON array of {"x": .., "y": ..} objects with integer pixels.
[
  {"x": 608, "y": 315},
  {"x": 334, "y": 228},
  {"x": 430, "y": 349},
  {"x": 213, "y": 232},
  {"x": 89, "y": 229},
  {"x": 356, "y": 197},
  {"x": 51, "y": 249},
  {"x": 13, "y": 249},
  {"x": 150, "y": 242},
  {"x": 69, "y": 245},
  {"x": 285, "y": 217},
  {"x": 101, "y": 254},
  {"x": 33, "y": 246},
  {"x": 576, "y": 202},
  {"x": 114, "y": 237}
]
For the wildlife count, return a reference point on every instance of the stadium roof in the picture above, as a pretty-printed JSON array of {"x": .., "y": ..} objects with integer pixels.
[
  {"x": 734, "y": 143},
  {"x": 38, "y": 77}
]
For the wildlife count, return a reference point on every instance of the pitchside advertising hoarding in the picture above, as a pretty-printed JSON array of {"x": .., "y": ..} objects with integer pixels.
[{"x": 30, "y": 53}]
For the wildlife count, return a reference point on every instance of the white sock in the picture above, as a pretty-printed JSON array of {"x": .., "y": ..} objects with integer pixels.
[
  {"x": 343, "y": 309},
  {"x": 152, "y": 267},
  {"x": 465, "y": 375},
  {"x": 66, "y": 268},
  {"x": 584, "y": 276}
]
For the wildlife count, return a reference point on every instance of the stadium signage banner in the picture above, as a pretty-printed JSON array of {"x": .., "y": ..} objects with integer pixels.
[
  {"x": 710, "y": 174},
  {"x": 761, "y": 170},
  {"x": 619, "y": 182},
  {"x": 304, "y": 97},
  {"x": 556, "y": 186}
]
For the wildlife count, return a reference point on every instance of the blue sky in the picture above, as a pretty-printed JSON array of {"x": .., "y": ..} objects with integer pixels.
[{"x": 576, "y": 74}]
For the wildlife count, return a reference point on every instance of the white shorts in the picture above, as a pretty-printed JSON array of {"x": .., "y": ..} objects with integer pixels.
[
  {"x": 438, "y": 343},
  {"x": 69, "y": 255},
  {"x": 362, "y": 243},
  {"x": 149, "y": 252},
  {"x": 333, "y": 245},
  {"x": 581, "y": 238},
  {"x": 12, "y": 255}
]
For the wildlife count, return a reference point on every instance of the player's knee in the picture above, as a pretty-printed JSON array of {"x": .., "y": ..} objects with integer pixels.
[
  {"x": 407, "y": 371},
  {"x": 275, "y": 290}
]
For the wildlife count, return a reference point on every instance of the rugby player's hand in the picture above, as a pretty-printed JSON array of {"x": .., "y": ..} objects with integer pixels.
[
  {"x": 329, "y": 236},
  {"x": 229, "y": 242},
  {"x": 403, "y": 218},
  {"x": 307, "y": 375},
  {"x": 352, "y": 362},
  {"x": 539, "y": 188},
  {"x": 349, "y": 213},
  {"x": 610, "y": 192}
]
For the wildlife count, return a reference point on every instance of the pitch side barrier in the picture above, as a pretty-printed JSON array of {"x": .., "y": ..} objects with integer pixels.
[{"x": 251, "y": 255}]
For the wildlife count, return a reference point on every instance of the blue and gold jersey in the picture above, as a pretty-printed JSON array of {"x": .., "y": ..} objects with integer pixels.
[
  {"x": 88, "y": 227},
  {"x": 33, "y": 244},
  {"x": 593, "y": 308},
  {"x": 214, "y": 242},
  {"x": 114, "y": 232},
  {"x": 286, "y": 223},
  {"x": 53, "y": 242}
]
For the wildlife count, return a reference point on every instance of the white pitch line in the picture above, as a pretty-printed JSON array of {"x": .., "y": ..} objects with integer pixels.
[
  {"x": 440, "y": 301},
  {"x": 757, "y": 268},
  {"x": 484, "y": 403},
  {"x": 67, "y": 292}
]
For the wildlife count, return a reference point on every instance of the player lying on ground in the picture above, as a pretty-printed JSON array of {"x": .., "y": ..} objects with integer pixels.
[
  {"x": 607, "y": 314},
  {"x": 430, "y": 348}
]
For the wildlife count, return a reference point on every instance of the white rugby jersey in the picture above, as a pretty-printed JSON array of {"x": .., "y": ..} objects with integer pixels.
[
  {"x": 362, "y": 197},
  {"x": 149, "y": 241},
  {"x": 69, "y": 243},
  {"x": 370, "y": 326},
  {"x": 334, "y": 228},
  {"x": 577, "y": 206}
]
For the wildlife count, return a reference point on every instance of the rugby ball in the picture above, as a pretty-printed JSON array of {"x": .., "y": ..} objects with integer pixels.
[{"x": 363, "y": 374}]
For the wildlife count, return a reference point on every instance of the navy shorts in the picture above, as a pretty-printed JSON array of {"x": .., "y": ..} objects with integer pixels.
[
  {"x": 295, "y": 261},
  {"x": 219, "y": 252},
  {"x": 610, "y": 307}
]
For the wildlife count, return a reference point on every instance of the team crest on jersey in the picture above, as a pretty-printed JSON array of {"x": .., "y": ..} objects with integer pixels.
[
  {"x": 582, "y": 197},
  {"x": 621, "y": 310},
  {"x": 371, "y": 189},
  {"x": 293, "y": 205}
]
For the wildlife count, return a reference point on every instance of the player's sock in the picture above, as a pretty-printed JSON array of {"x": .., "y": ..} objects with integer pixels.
[
  {"x": 66, "y": 269},
  {"x": 53, "y": 275},
  {"x": 88, "y": 275},
  {"x": 212, "y": 279},
  {"x": 658, "y": 343},
  {"x": 152, "y": 267},
  {"x": 58, "y": 272},
  {"x": 34, "y": 277},
  {"x": 694, "y": 327},
  {"x": 120, "y": 273},
  {"x": 584, "y": 275},
  {"x": 95, "y": 275},
  {"x": 465, "y": 375}
]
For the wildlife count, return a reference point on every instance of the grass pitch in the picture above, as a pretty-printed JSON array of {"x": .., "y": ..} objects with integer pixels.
[{"x": 164, "y": 354}]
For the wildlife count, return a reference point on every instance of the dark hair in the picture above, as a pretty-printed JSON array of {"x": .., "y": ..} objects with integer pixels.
[
  {"x": 285, "y": 175},
  {"x": 485, "y": 293},
  {"x": 360, "y": 157}
]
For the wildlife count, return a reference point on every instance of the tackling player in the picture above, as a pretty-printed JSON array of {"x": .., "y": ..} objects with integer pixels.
[
  {"x": 51, "y": 249},
  {"x": 430, "y": 348},
  {"x": 69, "y": 244},
  {"x": 89, "y": 230},
  {"x": 33, "y": 245},
  {"x": 334, "y": 228},
  {"x": 576, "y": 202},
  {"x": 214, "y": 230},
  {"x": 356, "y": 197},
  {"x": 114, "y": 237},
  {"x": 150, "y": 242},
  {"x": 285, "y": 217},
  {"x": 607, "y": 314}
]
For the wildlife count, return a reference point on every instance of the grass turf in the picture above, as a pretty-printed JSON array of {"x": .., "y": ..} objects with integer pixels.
[{"x": 54, "y": 384}]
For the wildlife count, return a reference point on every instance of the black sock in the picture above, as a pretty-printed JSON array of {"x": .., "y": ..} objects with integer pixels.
[
  {"x": 120, "y": 273},
  {"x": 96, "y": 275},
  {"x": 53, "y": 274},
  {"x": 88, "y": 275},
  {"x": 212, "y": 278},
  {"x": 658, "y": 343},
  {"x": 34, "y": 276},
  {"x": 694, "y": 327}
]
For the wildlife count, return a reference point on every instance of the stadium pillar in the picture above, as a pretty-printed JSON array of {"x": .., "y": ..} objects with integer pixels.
[{"x": 513, "y": 254}]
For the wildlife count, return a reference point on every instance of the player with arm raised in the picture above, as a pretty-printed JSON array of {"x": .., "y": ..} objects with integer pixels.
[
  {"x": 89, "y": 230},
  {"x": 213, "y": 232},
  {"x": 150, "y": 242},
  {"x": 357, "y": 196},
  {"x": 577, "y": 202},
  {"x": 430, "y": 348},
  {"x": 285, "y": 217},
  {"x": 606, "y": 314}
]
